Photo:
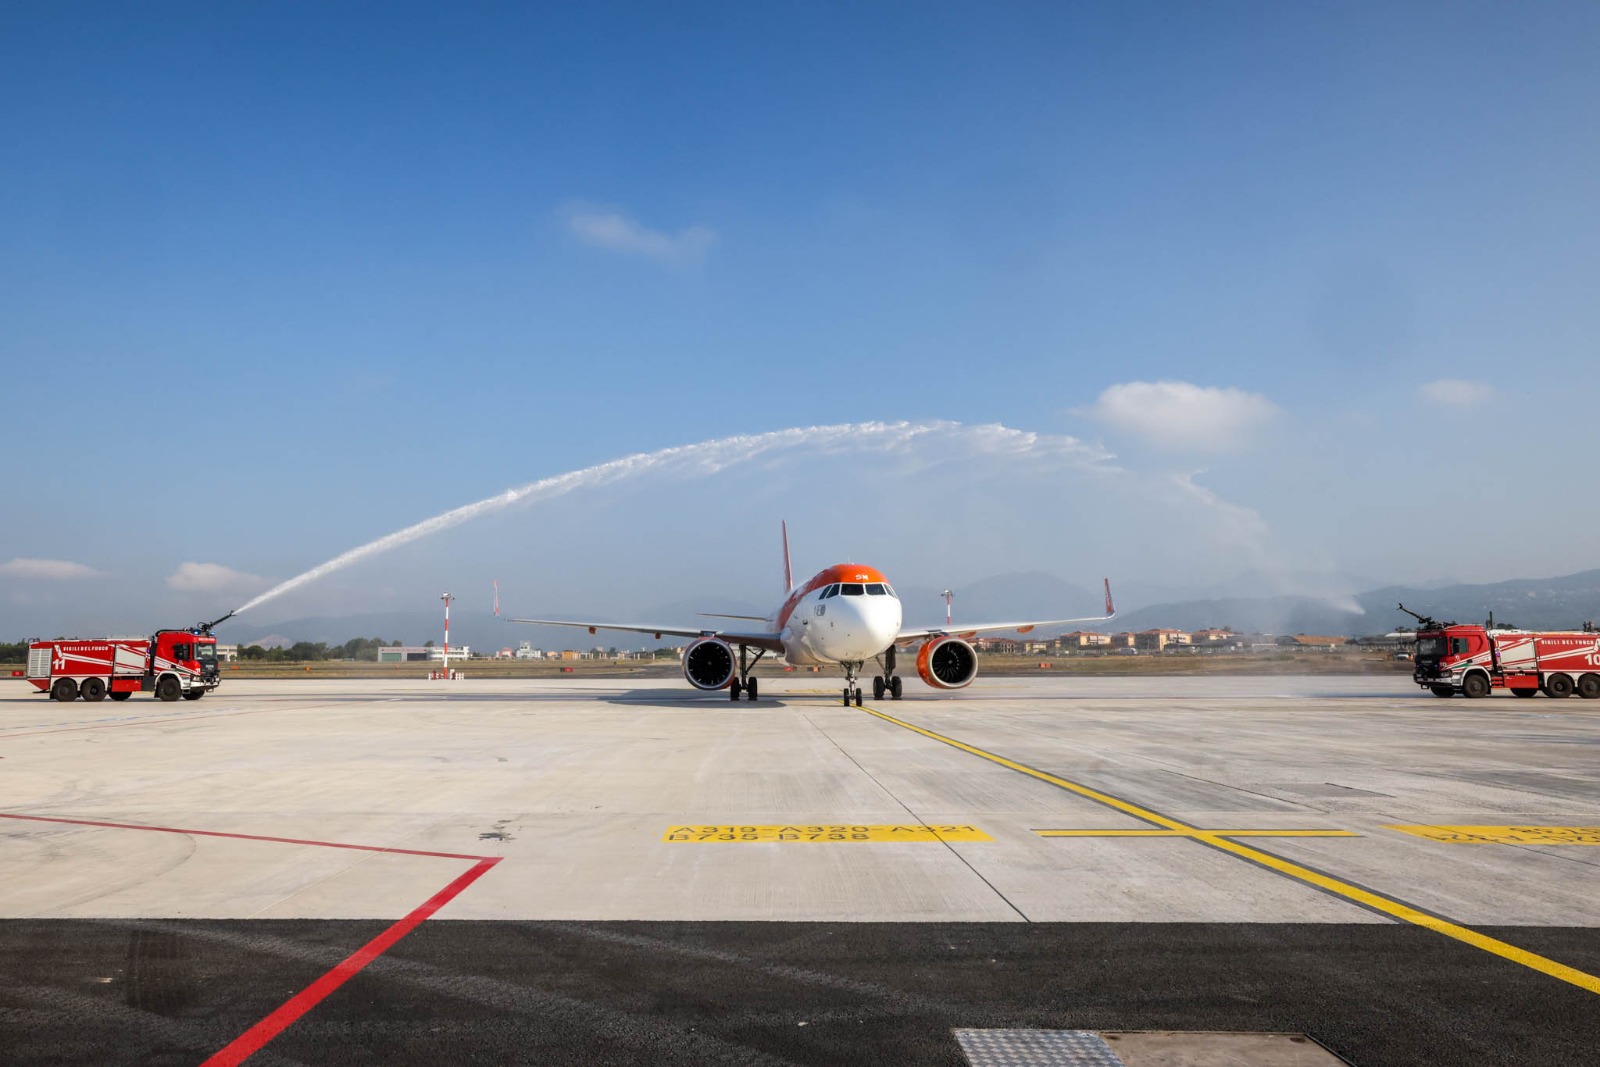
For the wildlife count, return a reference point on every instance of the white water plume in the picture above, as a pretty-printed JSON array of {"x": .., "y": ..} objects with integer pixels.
[{"x": 709, "y": 457}]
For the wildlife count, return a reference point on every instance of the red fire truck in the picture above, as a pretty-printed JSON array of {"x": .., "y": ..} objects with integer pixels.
[
  {"x": 1473, "y": 660},
  {"x": 172, "y": 664}
]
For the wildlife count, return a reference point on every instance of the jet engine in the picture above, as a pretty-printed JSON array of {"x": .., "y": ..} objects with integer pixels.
[
  {"x": 947, "y": 663},
  {"x": 709, "y": 663}
]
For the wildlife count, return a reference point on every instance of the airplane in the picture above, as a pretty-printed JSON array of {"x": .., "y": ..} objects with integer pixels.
[{"x": 845, "y": 615}]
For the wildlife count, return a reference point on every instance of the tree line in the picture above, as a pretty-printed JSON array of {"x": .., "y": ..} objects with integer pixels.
[{"x": 357, "y": 648}]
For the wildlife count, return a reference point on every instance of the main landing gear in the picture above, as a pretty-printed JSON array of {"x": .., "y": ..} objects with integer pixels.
[
  {"x": 888, "y": 681},
  {"x": 744, "y": 683}
]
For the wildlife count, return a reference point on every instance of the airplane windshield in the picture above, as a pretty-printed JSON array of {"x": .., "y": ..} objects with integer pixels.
[
  {"x": 877, "y": 589},
  {"x": 850, "y": 589},
  {"x": 832, "y": 590}
]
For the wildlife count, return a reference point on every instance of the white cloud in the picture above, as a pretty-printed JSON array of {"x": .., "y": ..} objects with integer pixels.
[
  {"x": 1184, "y": 415},
  {"x": 1456, "y": 393},
  {"x": 612, "y": 230},
  {"x": 49, "y": 570},
  {"x": 210, "y": 578}
]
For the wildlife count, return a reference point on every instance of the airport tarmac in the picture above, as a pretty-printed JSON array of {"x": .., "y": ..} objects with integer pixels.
[{"x": 572, "y": 871}]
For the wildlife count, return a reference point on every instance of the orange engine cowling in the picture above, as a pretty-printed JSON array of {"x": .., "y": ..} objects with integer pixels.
[
  {"x": 709, "y": 663},
  {"x": 947, "y": 663}
]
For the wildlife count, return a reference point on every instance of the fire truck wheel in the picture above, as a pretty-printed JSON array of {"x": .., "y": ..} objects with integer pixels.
[
  {"x": 120, "y": 696},
  {"x": 65, "y": 690},
  {"x": 1441, "y": 690},
  {"x": 1558, "y": 686},
  {"x": 1524, "y": 692},
  {"x": 168, "y": 689},
  {"x": 1475, "y": 686},
  {"x": 1589, "y": 686},
  {"x": 93, "y": 689},
  {"x": 194, "y": 694}
]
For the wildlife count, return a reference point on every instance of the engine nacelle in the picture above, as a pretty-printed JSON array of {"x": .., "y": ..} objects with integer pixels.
[
  {"x": 947, "y": 663},
  {"x": 709, "y": 663}
]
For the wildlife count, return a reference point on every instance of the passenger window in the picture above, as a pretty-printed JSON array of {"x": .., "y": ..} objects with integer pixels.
[
  {"x": 1458, "y": 646},
  {"x": 180, "y": 652},
  {"x": 875, "y": 589},
  {"x": 850, "y": 589}
]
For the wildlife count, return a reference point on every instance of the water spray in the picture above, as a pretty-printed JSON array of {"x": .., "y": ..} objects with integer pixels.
[{"x": 710, "y": 457}]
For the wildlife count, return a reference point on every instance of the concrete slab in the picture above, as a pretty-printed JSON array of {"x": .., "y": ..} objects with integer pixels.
[{"x": 573, "y": 783}]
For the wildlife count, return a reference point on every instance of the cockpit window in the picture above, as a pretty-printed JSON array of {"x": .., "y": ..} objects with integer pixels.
[
  {"x": 876, "y": 589},
  {"x": 832, "y": 590},
  {"x": 850, "y": 589}
]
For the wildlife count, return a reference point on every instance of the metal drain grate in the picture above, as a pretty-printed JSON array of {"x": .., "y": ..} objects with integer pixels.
[{"x": 1036, "y": 1048}]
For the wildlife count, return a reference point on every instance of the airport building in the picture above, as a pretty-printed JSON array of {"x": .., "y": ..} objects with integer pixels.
[{"x": 421, "y": 654}]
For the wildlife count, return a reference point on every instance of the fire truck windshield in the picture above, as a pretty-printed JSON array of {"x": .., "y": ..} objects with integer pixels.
[
  {"x": 1430, "y": 646},
  {"x": 206, "y": 653}
]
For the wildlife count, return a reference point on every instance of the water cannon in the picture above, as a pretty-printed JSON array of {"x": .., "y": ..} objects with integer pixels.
[
  {"x": 1424, "y": 622},
  {"x": 206, "y": 627}
]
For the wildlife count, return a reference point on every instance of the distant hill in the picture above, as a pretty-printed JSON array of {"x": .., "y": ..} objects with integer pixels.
[
  {"x": 1538, "y": 603},
  {"x": 1565, "y": 602}
]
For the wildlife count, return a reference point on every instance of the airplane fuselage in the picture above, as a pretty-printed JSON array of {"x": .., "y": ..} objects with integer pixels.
[{"x": 847, "y": 613}]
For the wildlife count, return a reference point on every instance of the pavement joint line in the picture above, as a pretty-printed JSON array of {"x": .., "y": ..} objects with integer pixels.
[
  {"x": 949, "y": 846},
  {"x": 285, "y": 1015},
  {"x": 1367, "y": 898}
]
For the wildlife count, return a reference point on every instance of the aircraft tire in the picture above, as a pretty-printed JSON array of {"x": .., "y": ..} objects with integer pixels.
[
  {"x": 750, "y": 689},
  {"x": 877, "y": 688},
  {"x": 894, "y": 687}
]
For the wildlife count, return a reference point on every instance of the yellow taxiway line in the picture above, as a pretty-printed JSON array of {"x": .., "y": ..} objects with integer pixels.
[{"x": 1218, "y": 839}]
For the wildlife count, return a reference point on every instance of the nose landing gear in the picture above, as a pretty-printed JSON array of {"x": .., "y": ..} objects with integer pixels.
[{"x": 851, "y": 690}]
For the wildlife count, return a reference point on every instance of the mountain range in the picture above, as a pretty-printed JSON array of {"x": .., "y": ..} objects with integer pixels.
[{"x": 1244, "y": 604}]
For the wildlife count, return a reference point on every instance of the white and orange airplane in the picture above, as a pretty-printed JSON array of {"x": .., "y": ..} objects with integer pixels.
[{"x": 845, "y": 615}]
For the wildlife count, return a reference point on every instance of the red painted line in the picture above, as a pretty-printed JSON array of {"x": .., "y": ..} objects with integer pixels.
[
  {"x": 244, "y": 837},
  {"x": 252, "y": 1040}
]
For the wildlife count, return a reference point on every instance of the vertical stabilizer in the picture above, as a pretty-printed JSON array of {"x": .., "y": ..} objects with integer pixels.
[{"x": 788, "y": 568}]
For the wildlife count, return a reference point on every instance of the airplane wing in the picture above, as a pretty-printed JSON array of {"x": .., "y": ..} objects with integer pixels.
[
  {"x": 908, "y": 636},
  {"x": 770, "y": 641}
]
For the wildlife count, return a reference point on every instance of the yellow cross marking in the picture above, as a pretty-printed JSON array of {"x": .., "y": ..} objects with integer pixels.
[{"x": 1398, "y": 909}]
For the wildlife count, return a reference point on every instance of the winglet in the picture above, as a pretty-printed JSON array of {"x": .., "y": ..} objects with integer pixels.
[
  {"x": 1111, "y": 609},
  {"x": 788, "y": 568}
]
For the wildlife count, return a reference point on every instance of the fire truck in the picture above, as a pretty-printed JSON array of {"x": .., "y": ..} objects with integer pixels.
[
  {"x": 171, "y": 664},
  {"x": 1451, "y": 658}
]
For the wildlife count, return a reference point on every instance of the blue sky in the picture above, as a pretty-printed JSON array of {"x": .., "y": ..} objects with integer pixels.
[{"x": 278, "y": 279}]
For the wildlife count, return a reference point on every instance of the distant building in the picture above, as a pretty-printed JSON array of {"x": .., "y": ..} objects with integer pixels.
[
  {"x": 1213, "y": 637},
  {"x": 1311, "y": 641},
  {"x": 1158, "y": 640},
  {"x": 227, "y": 653},
  {"x": 997, "y": 644},
  {"x": 404, "y": 654},
  {"x": 527, "y": 651},
  {"x": 420, "y": 654},
  {"x": 1123, "y": 640},
  {"x": 1083, "y": 639}
]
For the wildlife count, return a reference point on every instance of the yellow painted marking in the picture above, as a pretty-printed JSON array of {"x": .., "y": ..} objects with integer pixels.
[
  {"x": 1365, "y": 897},
  {"x": 823, "y": 833},
  {"x": 1505, "y": 835},
  {"x": 1178, "y": 833}
]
